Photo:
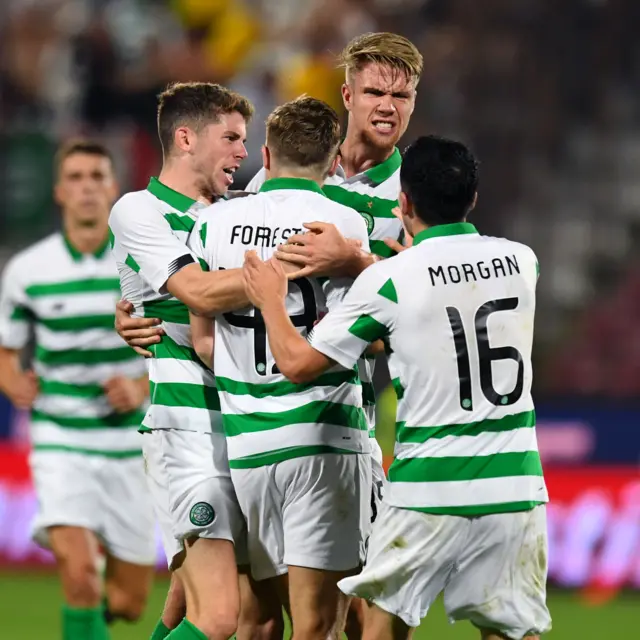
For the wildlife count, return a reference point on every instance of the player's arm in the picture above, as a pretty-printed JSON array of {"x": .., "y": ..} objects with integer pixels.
[
  {"x": 19, "y": 386},
  {"x": 324, "y": 251},
  {"x": 203, "y": 337},
  {"x": 144, "y": 237}
]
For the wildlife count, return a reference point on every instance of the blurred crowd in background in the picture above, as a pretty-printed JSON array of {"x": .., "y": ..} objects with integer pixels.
[{"x": 544, "y": 92}]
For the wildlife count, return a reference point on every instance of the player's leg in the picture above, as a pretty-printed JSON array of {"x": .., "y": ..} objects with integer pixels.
[
  {"x": 69, "y": 498},
  {"x": 210, "y": 579},
  {"x": 500, "y": 584},
  {"x": 326, "y": 500},
  {"x": 174, "y": 610},
  {"x": 207, "y": 519},
  {"x": 382, "y": 625},
  {"x": 260, "y": 608},
  {"x": 128, "y": 535}
]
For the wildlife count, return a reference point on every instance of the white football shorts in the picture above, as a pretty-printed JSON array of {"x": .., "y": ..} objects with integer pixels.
[
  {"x": 309, "y": 512},
  {"x": 107, "y": 495},
  {"x": 492, "y": 569}
]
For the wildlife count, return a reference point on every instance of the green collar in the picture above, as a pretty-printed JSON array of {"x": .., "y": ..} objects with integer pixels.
[
  {"x": 76, "y": 255},
  {"x": 301, "y": 184},
  {"x": 454, "y": 229},
  {"x": 386, "y": 169},
  {"x": 174, "y": 199}
]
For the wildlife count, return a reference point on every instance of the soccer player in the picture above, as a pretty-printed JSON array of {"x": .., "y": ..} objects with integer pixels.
[
  {"x": 299, "y": 453},
  {"x": 202, "y": 129},
  {"x": 86, "y": 395},
  {"x": 464, "y": 509}
]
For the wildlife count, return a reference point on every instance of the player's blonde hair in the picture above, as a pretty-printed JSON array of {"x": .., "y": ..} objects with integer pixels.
[
  {"x": 304, "y": 132},
  {"x": 389, "y": 49}
]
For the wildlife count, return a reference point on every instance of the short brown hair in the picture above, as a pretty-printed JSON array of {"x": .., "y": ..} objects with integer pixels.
[
  {"x": 196, "y": 104},
  {"x": 384, "y": 48},
  {"x": 80, "y": 145},
  {"x": 304, "y": 132}
]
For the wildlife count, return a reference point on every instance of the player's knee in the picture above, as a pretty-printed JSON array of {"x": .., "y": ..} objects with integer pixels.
[
  {"x": 81, "y": 582},
  {"x": 314, "y": 627},
  {"x": 252, "y": 629},
  {"x": 218, "y": 627},
  {"x": 126, "y": 605}
]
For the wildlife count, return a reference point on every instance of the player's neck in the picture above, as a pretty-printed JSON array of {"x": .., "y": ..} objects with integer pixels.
[
  {"x": 180, "y": 179},
  {"x": 357, "y": 154},
  {"x": 300, "y": 175},
  {"x": 84, "y": 238}
]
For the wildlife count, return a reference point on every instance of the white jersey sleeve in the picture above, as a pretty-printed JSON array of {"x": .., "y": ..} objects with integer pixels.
[
  {"x": 142, "y": 239},
  {"x": 256, "y": 182},
  {"x": 15, "y": 312},
  {"x": 367, "y": 314},
  {"x": 202, "y": 243}
]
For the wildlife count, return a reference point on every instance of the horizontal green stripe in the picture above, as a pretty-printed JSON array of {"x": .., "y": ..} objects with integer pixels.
[
  {"x": 170, "y": 349},
  {"x": 84, "y": 356},
  {"x": 280, "y": 455},
  {"x": 180, "y": 222},
  {"x": 284, "y": 388},
  {"x": 361, "y": 202},
  {"x": 184, "y": 394},
  {"x": 368, "y": 394},
  {"x": 79, "y": 323},
  {"x": 87, "y": 285},
  {"x": 167, "y": 311},
  {"x": 22, "y": 314},
  {"x": 53, "y": 387},
  {"x": 416, "y": 435},
  {"x": 379, "y": 248},
  {"x": 112, "y": 421},
  {"x": 473, "y": 511},
  {"x": 318, "y": 412},
  {"x": 368, "y": 329},
  {"x": 118, "y": 455},
  {"x": 457, "y": 468}
]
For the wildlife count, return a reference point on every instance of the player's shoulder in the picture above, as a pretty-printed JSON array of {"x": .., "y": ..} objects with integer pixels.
[
  {"x": 223, "y": 210},
  {"x": 44, "y": 252},
  {"x": 131, "y": 202},
  {"x": 518, "y": 248}
]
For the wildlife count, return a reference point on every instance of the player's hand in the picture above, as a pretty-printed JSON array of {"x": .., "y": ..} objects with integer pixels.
[
  {"x": 23, "y": 390},
  {"x": 263, "y": 281},
  {"x": 394, "y": 244},
  {"x": 323, "y": 252},
  {"x": 137, "y": 332},
  {"x": 124, "y": 394}
]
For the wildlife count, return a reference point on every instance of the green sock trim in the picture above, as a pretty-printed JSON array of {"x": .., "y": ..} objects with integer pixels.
[
  {"x": 186, "y": 631},
  {"x": 84, "y": 624},
  {"x": 161, "y": 631}
]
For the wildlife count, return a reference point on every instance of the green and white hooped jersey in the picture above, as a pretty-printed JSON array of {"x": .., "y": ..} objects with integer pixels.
[
  {"x": 373, "y": 194},
  {"x": 68, "y": 299},
  {"x": 149, "y": 230},
  {"x": 457, "y": 314},
  {"x": 266, "y": 418}
]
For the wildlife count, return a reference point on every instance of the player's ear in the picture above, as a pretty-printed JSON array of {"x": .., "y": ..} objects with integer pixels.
[
  {"x": 266, "y": 157},
  {"x": 184, "y": 139},
  {"x": 474, "y": 202},
  {"x": 58, "y": 194},
  {"x": 346, "y": 96},
  {"x": 333, "y": 167},
  {"x": 405, "y": 204}
]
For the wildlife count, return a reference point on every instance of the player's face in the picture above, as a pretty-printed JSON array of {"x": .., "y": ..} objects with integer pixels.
[
  {"x": 218, "y": 153},
  {"x": 86, "y": 188},
  {"x": 380, "y": 101}
]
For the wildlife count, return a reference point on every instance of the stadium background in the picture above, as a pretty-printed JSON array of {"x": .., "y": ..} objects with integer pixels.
[{"x": 546, "y": 95}]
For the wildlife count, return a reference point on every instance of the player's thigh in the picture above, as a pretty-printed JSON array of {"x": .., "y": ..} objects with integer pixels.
[
  {"x": 502, "y": 571},
  {"x": 318, "y": 607},
  {"x": 129, "y": 526},
  {"x": 382, "y": 625},
  {"x": 202, "y": 500},
  {"x": 262, "y": 505},
  {"x": 326, "y": 502},
  {"x": 69, "y": 492},
  {"x": 210, "y": 577},
  {"x": 127, "y": 587},
  {"x": 409, "y": 559}
]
